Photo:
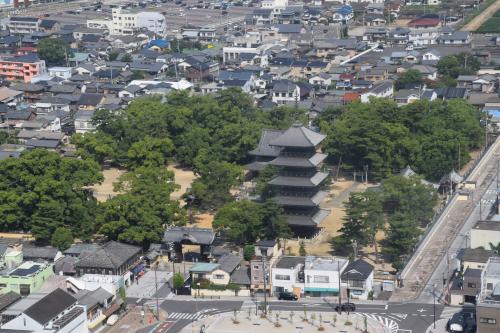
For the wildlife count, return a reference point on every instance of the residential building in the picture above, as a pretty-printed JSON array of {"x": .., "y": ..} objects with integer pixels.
[
  {"x": 455, "y": 38},
  {"x": 26, "y": 278},
  {"x": 485, "y": 232},
  {"x": 83, "y": 121},
  {"x": 266, "y": 254},
  {"x": 99, "y": 303},
  {"x": 112, "y": 258},
  {"x": 380, "y": 89},
  {"x": 488, "y": 301},
  {"x": 217, "y": 273},
  {"x": 475, "y": 258},
  {"x": 358, "y": 277},
  {"x": 466, "y": 288},
  {"x": 61, "y": 72},
  {"x": 406, "y": 96},
  {"x": 23, "y": 25},
  {"x": 127, "y": 22},
  {"x": 57, "y": 312},
  {"x": 285, "y": 91},
  {"x": 322, "y": 275},
  {"x": 288, "y": 275},
  {"x": 22, "y": 68}
]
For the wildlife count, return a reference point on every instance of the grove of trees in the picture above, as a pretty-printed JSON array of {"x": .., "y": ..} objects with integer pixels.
[
  {"x": 428, "y": 136},
  {"x": 400, "y": 207}
]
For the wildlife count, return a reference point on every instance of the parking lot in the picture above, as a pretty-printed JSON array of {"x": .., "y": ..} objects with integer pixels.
[{"x": 145, "y": 287}]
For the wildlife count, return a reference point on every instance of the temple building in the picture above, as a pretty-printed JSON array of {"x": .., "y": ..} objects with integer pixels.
[{"x": 297, "y": 187}]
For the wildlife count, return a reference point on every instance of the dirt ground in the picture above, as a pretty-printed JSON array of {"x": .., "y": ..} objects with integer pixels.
[
  {"x": 104, "y": 191},
  {"x": 183, "y": 177}
]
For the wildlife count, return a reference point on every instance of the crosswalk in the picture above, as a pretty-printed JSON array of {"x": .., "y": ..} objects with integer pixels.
[
  {"x": 392, "y": 325},
  {"x": 186, "y": 316}
]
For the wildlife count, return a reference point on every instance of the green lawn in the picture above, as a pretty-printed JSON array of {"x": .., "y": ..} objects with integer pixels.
[{"x": 492, "y": 25}]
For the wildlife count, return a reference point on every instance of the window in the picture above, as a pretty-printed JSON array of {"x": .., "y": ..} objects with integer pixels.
[
  {"x": 219, "y": 276},
  {"x": 491, "y": 321},
  {"x": 282, "y": 277},
  {"x": 471, "y": 285},
  {"x": 321, "y": 279},
  {"x": 256, "y": 278},
  {"x": 489, "y": 286},
  {"x": 256, "y": 267}
]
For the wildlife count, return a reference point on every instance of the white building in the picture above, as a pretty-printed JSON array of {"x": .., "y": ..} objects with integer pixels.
[
  {"x": 423, "y": 36},
  {"x": 484, "y": 233},
  {"x": 57, "y": 312},
  {"x": 275, "y": 5},
  {"x": 83, "y": 121},
  {"x": 381, "y": 89},
  {"x": 312, "y": 276},
  {"x": 62, "y": 72},
  {"x": 128, "y": 22},
  {"x": 358, "y": 277}
]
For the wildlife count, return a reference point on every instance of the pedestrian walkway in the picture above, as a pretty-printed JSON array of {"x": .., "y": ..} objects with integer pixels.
[{"x": 188, "y": 316}]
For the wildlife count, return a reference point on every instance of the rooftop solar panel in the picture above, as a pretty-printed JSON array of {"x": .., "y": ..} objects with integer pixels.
[{"x": 25, "y": 271}]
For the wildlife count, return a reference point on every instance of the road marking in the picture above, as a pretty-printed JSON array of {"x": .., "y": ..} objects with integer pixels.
[
  {"x": 386, "y": 306},
  {"x": 421, "y": 310},
  {"x": 401, "y": 316},
  {"x": 389, "y": 323},
  {"x": 186, "y": 316}
]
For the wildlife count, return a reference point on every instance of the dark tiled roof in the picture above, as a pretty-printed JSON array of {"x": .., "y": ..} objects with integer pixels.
[
  {"x": 266, "y": 243},
  {"x": 38, "y": 252},
  {"x": 195, "y": 235},
  {"x": 477, "y": 255},
  {"x": 50, "y": 306},
  {"x": 47, "y": 23},
  {"x": 264, "y": 149},
  {"x": 8, "y": 299},
  {"x": 357, "y": 270},
  {"x": 23, "y": 19},
  {"x": 110, "y": 255},
  {"x": 229, "y": 262},
  {"x": 90, "y": 99},
  {"x": 298, "y": 136},
  {"x": 241, "y": 276}
]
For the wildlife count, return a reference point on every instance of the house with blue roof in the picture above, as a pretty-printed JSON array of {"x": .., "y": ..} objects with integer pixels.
[
  {"x": 343, "y": 14},
  {"x": 158, "y": 45}
]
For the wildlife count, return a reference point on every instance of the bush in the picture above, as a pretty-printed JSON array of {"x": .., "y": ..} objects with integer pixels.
[{"x": 248, "y": 252}]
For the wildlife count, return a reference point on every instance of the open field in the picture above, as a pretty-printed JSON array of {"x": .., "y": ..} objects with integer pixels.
[
  {"x": 105, "y": 191},
  {"x": 492, "y": 25},
  {"x": 485, "y": 11}
]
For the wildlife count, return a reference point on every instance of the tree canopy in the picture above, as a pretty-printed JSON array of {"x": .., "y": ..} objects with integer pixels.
[
  {"x": 458, "y": 64},
  {"x": 386, "y": 138},
  {"x": 40, "y": 192},
  {"x": 54, "y": 51},
  {"x": 401, "y": 206},
  {"x": 246, "y": 221},
  {"x": 411, "y": 76}
]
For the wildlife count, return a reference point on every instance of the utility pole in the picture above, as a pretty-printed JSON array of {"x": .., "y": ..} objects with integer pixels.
[
  {"x": 265, "y": 286},
  {"x": 434, "y": 296},
  {"x": 156, "y": 294},
  {"x": 340, "y": 288},
  {"x": 458, "y": 168},
  {"x": 366, "y": 174}
]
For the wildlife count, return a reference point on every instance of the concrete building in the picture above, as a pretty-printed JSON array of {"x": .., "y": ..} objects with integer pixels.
[
  {"x": 26, "y": 278},
  {"x": 22, "y": 68},
  {"x": 61, "y": 72},
  {"x": 23, "y": 25},
  {"x": 288, "y": 275},
  {"x": 488, "y": 302},
  {"x": 322, "y": 275},
  {"x": 484, "y": 233},
  {"x": 128, "y": 22},
  {"x": 266, "y": 254}
]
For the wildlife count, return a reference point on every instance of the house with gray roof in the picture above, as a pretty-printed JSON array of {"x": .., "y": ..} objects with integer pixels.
[{"x": 112, "y": 258}]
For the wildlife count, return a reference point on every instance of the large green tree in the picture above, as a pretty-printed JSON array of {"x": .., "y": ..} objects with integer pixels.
[
  {"x": 246, "y": 221},
  {"x": 411, "y": 76},
  {"x": 40, "y": 191},
  {"x": 54, "y": 51},
  {"x": 458, "y": 64}
]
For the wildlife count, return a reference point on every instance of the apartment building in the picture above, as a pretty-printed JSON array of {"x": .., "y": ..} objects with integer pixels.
[
  {"x": 23, "y": 25},
  {"x": 22, "y": 68},
  {"x": 488, "y": 301},
  {"x": 128, "y": 22}
]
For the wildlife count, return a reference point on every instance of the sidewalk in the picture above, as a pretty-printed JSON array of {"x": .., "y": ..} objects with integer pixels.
[
  {"x": 285, "y": 322},
  {"x": 307, "y": 300},
  {"x": 440, "y": 326}
]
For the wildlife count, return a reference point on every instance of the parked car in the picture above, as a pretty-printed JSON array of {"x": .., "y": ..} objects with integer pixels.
[
  {"x": 346, "y": 307},
  {"x": 287, "y": 296}
]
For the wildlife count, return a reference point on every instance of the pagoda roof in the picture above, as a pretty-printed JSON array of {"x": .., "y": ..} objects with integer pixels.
[
  {"x": 264, "y": 148},
  {"x": 308, "y": 221},
  {"x": 313, "y": 181},
  {"x": 313, "y": 201},
  {"x": 256, "y": 165},
  {"x": 298, "y": 136},
  {"x": 300, "y": 162}
]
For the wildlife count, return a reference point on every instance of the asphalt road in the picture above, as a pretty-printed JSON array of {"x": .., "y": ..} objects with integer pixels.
[
  {"x": 399, "y": 318},
  {"x": 181, "y": 313}
]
